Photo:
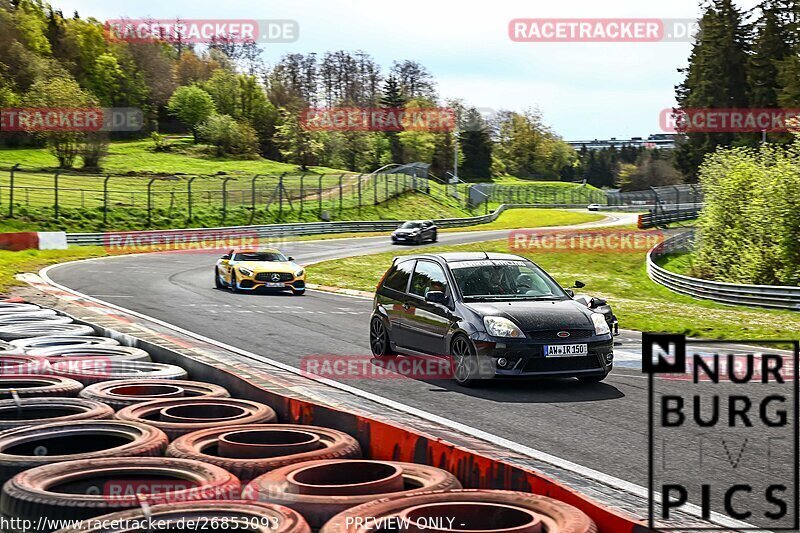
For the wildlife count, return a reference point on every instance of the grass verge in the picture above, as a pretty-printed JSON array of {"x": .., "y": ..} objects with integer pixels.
[{"x": 13, "y": 263}]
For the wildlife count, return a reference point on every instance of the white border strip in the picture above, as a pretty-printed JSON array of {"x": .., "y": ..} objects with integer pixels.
[{"x": 538, "y": 455}]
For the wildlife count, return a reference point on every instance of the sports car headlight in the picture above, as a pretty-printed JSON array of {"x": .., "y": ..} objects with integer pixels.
[
  {"x": 246, "y": 271},
  {"x": 299, "y": 273},
  {"x": 497, "y": 326},
  {"x": 600, "y": 324}
]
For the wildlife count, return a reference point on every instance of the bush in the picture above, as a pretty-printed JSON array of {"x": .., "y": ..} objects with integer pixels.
[
  {"x": 229, "y": 136},
  {"x": 94, "y": 149},
  {"x": 751, "y": 221}
]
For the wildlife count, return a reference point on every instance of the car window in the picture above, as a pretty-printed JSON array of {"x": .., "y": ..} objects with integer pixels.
[
  {"x": 504, "y": 279},
  {"x": 398, "y": 275},
  {"x": 428, "y": 276},
  {"x": 410, "y": 225},
  {"x": 259, "y": 256}
]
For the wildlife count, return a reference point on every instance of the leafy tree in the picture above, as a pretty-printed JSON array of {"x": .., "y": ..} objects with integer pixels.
[
  {"x": 192, "y": 106},
  {"x": 415, "y": 80},
  {"x": 651, "y": 171},
  {"x": 107, "y": 79},
  {"x": 297, "y": 144},
  {"x": 228, "y": 135},
  {"x": 60, "y": 92}
]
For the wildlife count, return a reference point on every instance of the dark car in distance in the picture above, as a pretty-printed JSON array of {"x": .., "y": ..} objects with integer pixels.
[
  {"x": 494, "y": 315},
  {"x": 415, "y": 232}
]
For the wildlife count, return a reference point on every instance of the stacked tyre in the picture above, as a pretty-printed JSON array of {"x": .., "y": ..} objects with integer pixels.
[{"x": 93, "y": 430}]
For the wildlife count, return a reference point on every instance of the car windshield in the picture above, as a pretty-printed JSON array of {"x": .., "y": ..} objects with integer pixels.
[
  {"x": 410, "y": 225},
  {"x": 492, "y": 279},
  {"x": 259, "y": 256}
]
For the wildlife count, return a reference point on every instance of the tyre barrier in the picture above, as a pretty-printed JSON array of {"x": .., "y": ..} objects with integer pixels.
[
  {"x": 87, "y": 488},
  {"x": 121, "y": 393},
  {"x": 89, "y": 371},
  {"x": 17, "y": 320},
  {"x": 496, "y": 511},
  {"x": 249, "y": 451},
  {"x": 32, "y": 446},
  {"x": 23, "y": 364},
  {"x": 8, "y": 348},
  {"x": 12, "y": 317},
  {"x": 319, "y": 490},
  {"x": 39, "y": 411},
  {"x": 179, "y": 416},
  {"x": 68, "y": 353},
  {"x": 55, "y": 340},
  {"x": 33, "y": 385},
  {"x": 17, "y": 307},
  {"x": 254, "y": 517},
  {"x": 41, "y": 329}
]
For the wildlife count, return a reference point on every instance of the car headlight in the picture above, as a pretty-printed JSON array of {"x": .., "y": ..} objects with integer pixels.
[
  {"x": 246, "y": 271},
  {"x": 497, "y": 326},
  {"x": 600, "y": 324},
  {"x": 299, "y": 273}
]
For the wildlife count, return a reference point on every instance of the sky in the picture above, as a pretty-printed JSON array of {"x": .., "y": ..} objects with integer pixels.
[{"x": 583, "y": 90}]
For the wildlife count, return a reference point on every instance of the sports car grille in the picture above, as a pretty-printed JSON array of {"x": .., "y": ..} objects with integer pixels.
[
  {"x": 555, "y": 364},
  {"x": 552, "y": 334},
  {"x": 268, "y": 276}
]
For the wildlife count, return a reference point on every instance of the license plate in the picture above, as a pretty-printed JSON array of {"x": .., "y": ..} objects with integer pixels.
[
  {"x": 565, "y": 350},
  {"x": 270, "y": 284}
]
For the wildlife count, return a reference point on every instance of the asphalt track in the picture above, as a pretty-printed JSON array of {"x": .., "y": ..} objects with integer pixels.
[{"x": 602, "y": 426}]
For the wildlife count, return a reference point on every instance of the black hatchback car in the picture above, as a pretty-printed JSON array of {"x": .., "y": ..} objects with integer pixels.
[
  {"x": 493, "y": 315},
  {"x": 415, "y": 232}
]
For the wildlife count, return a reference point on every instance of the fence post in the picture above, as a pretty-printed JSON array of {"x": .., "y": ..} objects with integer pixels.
[
  {"x": 319, "y": 198},
  {"x": 225, "y": 197},
  {"x": 253, "y": 198},
  {"x": 340, "y": 191},
  {"x": 396, "y": 194},
  {"x": 55, "y": 193},
  {"x": 150, "y": 201},
  {"x": 280, "y": 198},
  {"x": 105, "y": 200},
  {"x": 302, "y": 193},
  {"x": 359, "y": 191},
  {"x": 374, "y": 189},
  {"x": 11, "y": 192},
  {"x": 189, "y": 195}
]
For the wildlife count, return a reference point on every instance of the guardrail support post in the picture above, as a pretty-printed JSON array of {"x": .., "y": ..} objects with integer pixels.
[
  {"x": 55, "y": 194},
  {"x": 11, "y": 191},
  {"x": 189, "y": 195},
  {"x": 105, "y": 200}
]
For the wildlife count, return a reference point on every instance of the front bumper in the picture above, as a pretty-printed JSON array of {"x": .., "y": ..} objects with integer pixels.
[
  {"x": 251, "y": 284},
  {"x": 525, "y": 358}
]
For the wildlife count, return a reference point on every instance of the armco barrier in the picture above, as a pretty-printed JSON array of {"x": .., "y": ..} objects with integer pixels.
[
  {"x": 313, "y": 228},
  {"x": 663, "y": 215},
  {"x": 772, "y": 296}
]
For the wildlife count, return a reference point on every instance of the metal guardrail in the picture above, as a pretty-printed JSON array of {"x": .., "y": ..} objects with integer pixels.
[
  {"x": 663, "y": 215},
  {"x": 306, "y": 228},
  {"x": 771, "y": 296}
]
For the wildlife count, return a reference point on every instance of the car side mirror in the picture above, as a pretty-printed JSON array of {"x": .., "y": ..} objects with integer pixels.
[
  {"x": 226, "y": 256},
  {"x": 570, "y": 293},
  {"x": 290, "y": 258},
  {"x": 436, "y": 297},
  {"x": 597, "y": 302},
  {"x": 579, "y": 284}
]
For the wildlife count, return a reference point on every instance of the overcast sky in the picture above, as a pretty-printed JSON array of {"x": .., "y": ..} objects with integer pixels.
[{"x": 585, "y": 90}]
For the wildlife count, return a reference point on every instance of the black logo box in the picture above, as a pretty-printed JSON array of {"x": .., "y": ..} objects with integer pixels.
[{"x": 678, "y": 366}]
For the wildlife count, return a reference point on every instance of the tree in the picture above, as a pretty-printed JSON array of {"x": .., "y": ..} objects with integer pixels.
[
  {"x": 60, "y": 92},
  {"x": 415, "y": 80},
  {"x": 297, "y": 144},
  {"x": 228, "y": 135},
  {"x": 650, "y": 171},
  {"x": 192, "y": 106},
  {"x": 715, "y": 78},
  {"x": 476, "y": 145},
  {"x": 106, "y": 79},
  {"x": 771, "y": 47},
  {"x": 393, "y": 99}
]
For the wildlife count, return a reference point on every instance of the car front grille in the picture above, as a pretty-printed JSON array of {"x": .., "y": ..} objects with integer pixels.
[
  {"x": 558, "y": 364},
  {"x": 267, "y": 276},
  {"x": 552, "y": 334}
]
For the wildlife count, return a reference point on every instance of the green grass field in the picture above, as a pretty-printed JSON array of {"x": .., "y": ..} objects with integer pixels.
[
  {"x": 620, "y": 277},
  {"x": 13, "y": 263}
]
